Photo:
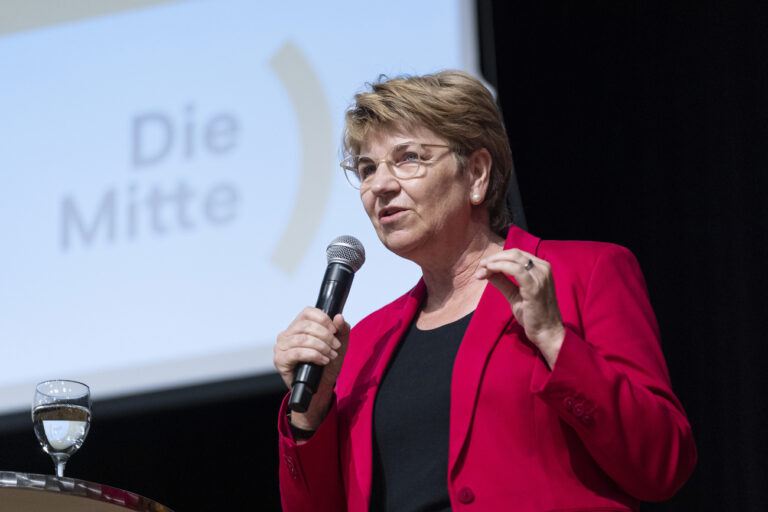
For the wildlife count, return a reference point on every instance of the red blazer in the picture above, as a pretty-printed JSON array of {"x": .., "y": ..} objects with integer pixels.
[{"x": 601, "y": 431}]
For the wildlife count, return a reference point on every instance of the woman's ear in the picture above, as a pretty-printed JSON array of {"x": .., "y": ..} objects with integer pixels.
[{"x": 479, "y": 175}]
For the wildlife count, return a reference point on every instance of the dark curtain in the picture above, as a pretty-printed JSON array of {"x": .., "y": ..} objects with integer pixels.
[{"x": 646, "y": 124}]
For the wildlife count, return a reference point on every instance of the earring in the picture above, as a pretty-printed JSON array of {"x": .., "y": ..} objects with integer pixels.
[{"x": 476, "y": 198}]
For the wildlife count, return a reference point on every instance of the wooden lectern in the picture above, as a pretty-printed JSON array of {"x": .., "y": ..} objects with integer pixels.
[{"x": 27, "y": 492}]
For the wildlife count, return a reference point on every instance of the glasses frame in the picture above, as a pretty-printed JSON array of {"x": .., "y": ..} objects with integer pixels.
[{"x": 348, "y": 163}]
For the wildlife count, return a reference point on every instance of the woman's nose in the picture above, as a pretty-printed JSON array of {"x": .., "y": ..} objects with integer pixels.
[{"x": 383, "y": 180}]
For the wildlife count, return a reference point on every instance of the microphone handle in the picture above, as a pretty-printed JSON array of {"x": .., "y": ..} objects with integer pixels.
[{"x": 333, "y": 295}]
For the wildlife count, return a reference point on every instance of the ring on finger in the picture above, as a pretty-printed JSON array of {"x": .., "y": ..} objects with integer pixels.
[{"x": 528, "y": 266}]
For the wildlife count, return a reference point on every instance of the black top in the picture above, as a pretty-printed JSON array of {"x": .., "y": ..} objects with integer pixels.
[{"x": 411, "y": 420}]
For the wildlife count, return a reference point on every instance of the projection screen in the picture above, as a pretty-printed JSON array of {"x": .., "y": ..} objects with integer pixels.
[{"x": 170, "y": 178}]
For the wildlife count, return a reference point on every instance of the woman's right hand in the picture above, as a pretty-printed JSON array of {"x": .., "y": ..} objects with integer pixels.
[{"x": 313, "y": 338}]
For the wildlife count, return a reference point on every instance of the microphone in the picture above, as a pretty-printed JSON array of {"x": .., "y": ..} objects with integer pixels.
[{"x": 345, "y": 257}]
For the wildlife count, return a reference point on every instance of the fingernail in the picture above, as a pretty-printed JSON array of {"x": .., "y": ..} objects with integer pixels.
[
  {"x": 336, "y": 344},
  {"x": 334, "y": 354}
]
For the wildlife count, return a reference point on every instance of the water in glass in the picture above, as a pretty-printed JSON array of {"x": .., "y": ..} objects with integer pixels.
[{"x": 61, "y": 414}]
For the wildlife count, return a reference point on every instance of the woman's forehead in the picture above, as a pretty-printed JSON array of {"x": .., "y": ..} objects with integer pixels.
[{"x": 381, "y": 140}]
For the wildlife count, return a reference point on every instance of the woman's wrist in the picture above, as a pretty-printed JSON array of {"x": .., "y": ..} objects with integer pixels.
[
  {"x": 299, "y": 433},
  {"x": 549, "y": 343},
  {"x": 303, "y": 421},
  {"x": 315, "y": 415}
]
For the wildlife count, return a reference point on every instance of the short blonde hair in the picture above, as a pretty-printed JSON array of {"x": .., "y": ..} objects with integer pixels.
[{"x": 453, "y": 105}]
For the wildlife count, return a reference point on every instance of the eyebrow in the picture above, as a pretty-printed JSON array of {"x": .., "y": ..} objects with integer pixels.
[{"x": 396, "y": 147}]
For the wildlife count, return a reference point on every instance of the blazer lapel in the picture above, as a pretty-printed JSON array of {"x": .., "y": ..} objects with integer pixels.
[
  {"x": 489, "y": 321},
  {"x": 400, "y": 323},
  {"x": 392, "y": 330}
]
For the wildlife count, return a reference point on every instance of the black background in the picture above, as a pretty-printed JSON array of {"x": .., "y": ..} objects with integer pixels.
[
  {"x": 639, "y": 123},
  {"x": 646, "y": 124}
]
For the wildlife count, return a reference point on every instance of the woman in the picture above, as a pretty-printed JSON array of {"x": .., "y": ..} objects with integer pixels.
[{"x": 546, "y": 390}]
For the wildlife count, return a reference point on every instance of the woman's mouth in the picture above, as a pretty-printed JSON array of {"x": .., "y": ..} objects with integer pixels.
[{"x": 391, "y": 214}]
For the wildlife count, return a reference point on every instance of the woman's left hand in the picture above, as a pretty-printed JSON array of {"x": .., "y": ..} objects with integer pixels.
[{"x": 533, "y": 302}]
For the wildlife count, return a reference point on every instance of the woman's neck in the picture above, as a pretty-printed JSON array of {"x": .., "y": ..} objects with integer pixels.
[{"x": 452, "y": 289}]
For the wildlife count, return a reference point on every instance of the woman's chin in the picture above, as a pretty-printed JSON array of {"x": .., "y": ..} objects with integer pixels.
[
  {"x": 397, "y": 242},
  {"x": 403, "y": 244}
]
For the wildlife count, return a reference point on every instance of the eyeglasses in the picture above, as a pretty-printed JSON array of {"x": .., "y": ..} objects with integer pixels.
[{"x": 405, "y": 161}]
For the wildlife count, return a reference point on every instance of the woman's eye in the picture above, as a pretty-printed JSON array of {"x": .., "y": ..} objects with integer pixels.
[
  {"x": 366, "y": 170},
  {"x": 410, "y": 157}
]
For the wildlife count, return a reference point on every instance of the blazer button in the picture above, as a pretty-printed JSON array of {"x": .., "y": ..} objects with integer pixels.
[
  {"x": 578, "y": 409},
  {"x": 568, "y": 403},
  {"x": 466, "y": 495},
  {"x": 291, "y": 466}
]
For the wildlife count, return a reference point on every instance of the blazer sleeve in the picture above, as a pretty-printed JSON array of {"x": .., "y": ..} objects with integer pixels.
[
  {"x": 310, "y": 474},
  {"x": 610, "y": 384}
]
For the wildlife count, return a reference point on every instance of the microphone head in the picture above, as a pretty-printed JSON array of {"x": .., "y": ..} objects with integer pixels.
[{"x": 346, "y": 250}]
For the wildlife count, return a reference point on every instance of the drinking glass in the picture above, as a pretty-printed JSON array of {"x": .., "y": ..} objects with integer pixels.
[{"x": 61, "y": 414}]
